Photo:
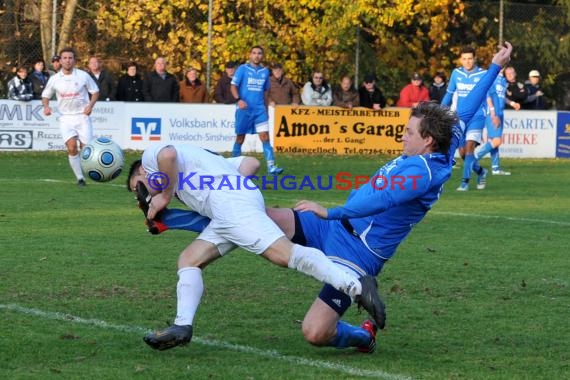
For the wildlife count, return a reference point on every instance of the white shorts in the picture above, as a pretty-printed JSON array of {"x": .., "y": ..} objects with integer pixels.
[
  {"x": 474, "y": 135},
  {"x": 263, "y": 127},
  {"x": 78, "y": 125},
  {"x": 240, "y": 220}
]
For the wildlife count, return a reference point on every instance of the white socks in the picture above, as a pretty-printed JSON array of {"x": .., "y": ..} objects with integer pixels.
[
  {"x": 75, "y": 164},
  {"x": 189, "y": 292},
  {"x": 314, "y": 263}
]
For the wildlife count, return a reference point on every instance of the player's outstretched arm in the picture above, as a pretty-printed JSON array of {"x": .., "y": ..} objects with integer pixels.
[
  {"x": 319, "y": 210},
  {"x": 479, "y": 93},
  {"x": 503, "y": 56}
]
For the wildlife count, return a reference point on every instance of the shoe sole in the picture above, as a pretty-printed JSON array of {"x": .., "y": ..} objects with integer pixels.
[
  {"x": 371, "y": 301},
  {"x": 165, "y": 345}
]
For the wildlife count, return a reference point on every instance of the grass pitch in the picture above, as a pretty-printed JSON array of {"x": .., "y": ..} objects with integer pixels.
[{"x": 479, "y": 290}]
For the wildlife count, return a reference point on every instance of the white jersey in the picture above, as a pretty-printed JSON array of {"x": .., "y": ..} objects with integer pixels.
[
  {"x": 72, "y": 91},
  {"x": 201, "y": 175},
  {"x": 211, "y": 185}
]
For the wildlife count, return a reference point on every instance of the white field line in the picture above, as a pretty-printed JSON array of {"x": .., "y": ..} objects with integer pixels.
[
  {"x": 271, "y": 354},
  {"x": 269, "y": 200}
]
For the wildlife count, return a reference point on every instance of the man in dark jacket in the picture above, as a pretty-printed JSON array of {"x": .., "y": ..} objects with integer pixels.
[
  {"x": 535, "y": 99},
  {"x": 103, "y": 78},
  {"x": 223, "y": 93},
  {"x": 516, "y": 91},
  {"x": 130, "y": 86},
  {"x": 370, "y": 94},
  {"x": 159, "y": 85}
]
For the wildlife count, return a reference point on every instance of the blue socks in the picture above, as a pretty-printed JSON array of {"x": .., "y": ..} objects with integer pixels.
[
  {"x": 177, "y": 219},
  {"x": 268, "y": 152},
  {"x": 495, "y": 161},
  {"x": 236, "y": 151},
  {"x": 349, "y": 336}
]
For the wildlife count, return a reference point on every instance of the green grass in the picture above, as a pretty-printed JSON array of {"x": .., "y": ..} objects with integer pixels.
[{"x": 479, "y": 290}]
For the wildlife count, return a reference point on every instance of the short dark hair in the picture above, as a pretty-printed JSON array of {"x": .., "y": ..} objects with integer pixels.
[
  {"x": 132, "y": 170},
  {"x": 68, "y": 50},
  {"x": 467, "y": 49},
  {"x": 257, "y": 47},
  {"x": 436, "y": 121}
]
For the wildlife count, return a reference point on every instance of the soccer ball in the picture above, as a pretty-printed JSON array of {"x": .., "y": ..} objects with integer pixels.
[{"x": 102, "y": 159}]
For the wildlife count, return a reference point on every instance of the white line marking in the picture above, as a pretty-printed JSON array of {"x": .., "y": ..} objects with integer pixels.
[
  {"x": 511, "y": 218},
  {"x": 269, "y": 199},
  {"x": 272, "y": 354}
]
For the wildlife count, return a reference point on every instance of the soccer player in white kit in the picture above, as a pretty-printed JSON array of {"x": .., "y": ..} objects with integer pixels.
[
  {"x": 76, "y": 93},
  {"x": 213, "y": 187}
]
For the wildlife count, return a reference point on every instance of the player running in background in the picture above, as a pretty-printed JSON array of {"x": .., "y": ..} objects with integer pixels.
[
  {"x": 237, "y": 218},
  {"x": 76, "y": 94},
  {"x": 463, "y": 80},
  {"x": 364, "y": 233},
  {"x": 494, "y": 124},
  {"x": 249, "y": 85}
]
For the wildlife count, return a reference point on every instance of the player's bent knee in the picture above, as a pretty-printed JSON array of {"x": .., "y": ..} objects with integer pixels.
[
  {"x": 198, "y": 254},
  {"x": 496, "y": 142},
  {"x": 279, "y": 252},
  {"x": 316, "y": 335}
]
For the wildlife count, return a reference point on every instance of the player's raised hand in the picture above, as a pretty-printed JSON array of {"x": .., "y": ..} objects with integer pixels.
[
  {"x": 503, "y": 56},
  {"x": 319, "y": 210}
]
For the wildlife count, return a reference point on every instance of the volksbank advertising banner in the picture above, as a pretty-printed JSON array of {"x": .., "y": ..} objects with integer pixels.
[
  {"x": 23, "y": 126},
  {"x": 304, "y": 130}
]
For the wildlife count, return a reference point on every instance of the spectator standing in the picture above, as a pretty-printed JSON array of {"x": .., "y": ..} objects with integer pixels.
[
  {"x": 76, "y": 94},
  {"x": 130, "y": 85},
  {"x": 223, "y": 91},
  {"x": 192, "y": 90},
  {"x": 370, "y": 95},
  {"x": 282, "y": 90},
  {"x": 19, "y": 87},
  {"x": 516, "y": 91},
  {"x": 535, "y": 99},
  {"x": 55, "y": 64},
  {"x": 345, "y": 95},
  {"x": 38, "y": 78},
  {"x": 317, "y": 92},
  {"x": 438, "y": 87},
  {"x": 250, "y": 85},
  {"x": 159, "y": 85},
  {"x": 103, "y": 78},
  {"x": 413, "y": 93}
]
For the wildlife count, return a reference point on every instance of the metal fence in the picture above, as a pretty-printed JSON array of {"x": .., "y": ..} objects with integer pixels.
[{"x": 20, "y": 40}]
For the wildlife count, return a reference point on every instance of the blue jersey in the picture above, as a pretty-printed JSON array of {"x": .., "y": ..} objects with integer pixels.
[
  {"x": 462, "y": 82},
  {"x": 252, "y": 82},
  {"x": 384, "y": 211},
  {"x": 497, "y": 93}
]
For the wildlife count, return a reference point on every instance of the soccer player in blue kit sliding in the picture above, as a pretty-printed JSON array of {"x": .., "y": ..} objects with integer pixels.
[
  {"x": 364, "y": 233},
  {"x": 248, "y": 86}
]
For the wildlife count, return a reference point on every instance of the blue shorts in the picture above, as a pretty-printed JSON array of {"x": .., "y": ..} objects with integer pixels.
[
  {"x": 493, "y": 132},
  {"x": 477, "y": 123},
  {"x": 340, "y": 246},
  {"x": 251, "y": 121}
]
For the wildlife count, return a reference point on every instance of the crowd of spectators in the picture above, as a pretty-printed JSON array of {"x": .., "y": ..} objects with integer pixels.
[{"x": 159, "y": 85}]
